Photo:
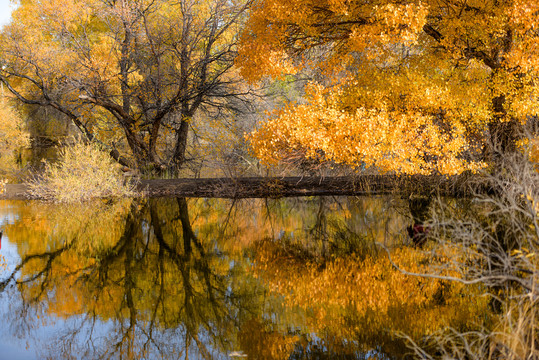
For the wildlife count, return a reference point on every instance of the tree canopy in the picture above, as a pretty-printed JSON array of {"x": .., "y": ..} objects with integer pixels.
[
  {"x": 406, "y": 86},
  {"x": 131, "y": 71}
]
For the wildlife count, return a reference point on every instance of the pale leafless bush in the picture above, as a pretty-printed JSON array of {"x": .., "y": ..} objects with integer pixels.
[{"x": 83, "y": 172}]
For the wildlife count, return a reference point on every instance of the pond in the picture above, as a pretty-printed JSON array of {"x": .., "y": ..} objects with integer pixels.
[{"x": 170, "y": 278}]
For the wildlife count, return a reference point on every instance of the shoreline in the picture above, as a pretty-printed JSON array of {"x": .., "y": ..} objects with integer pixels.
[{"x": 260, "y": 187}]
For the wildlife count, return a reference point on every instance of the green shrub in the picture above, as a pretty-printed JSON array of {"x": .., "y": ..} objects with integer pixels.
[{"x": 83, "y": 172}]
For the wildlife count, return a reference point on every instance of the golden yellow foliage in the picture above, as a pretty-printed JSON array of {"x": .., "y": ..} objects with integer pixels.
[
  {"x": 378, "y": 137},
  {"x": 367, "y": 298},
  {"x": 13, "y": 137},
  {"x": 12, "y": 128},
  {"x": 409, "y": 87}
]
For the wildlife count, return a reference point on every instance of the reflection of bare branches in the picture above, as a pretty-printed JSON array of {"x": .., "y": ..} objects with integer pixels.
[
  {"x": 188, "y": 262},
  {"x": 161, "y": 293},
  {"x": 227, "y": 219},
  {"x": 471, "y": 281},
  {"x": 491, "y": 241},
  {"x": 45, "y": 271},
  {"x": 166, "y": 283},
  {"x": 186, "y": 291},
  {"x": 204, "y": 268}
]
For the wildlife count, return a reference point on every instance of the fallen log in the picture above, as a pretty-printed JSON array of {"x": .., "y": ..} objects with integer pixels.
[
  {"x": 250, "y": 187},
  {"x": 255, "y": 187}
]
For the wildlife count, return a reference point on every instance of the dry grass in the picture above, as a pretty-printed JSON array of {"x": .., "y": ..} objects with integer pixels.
[
  {"x": 496, "y": 241},
  {"x": 83, "y": 172}
]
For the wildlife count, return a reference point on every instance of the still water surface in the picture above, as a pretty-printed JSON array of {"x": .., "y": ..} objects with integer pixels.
[{"x": 296, "y": 278}]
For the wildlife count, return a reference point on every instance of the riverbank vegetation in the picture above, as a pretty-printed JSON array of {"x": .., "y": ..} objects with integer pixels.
[
  {"x": 413, "y": 88},
  {"x": 82, "y": 172},
  {"x": 493, "y": 241}
]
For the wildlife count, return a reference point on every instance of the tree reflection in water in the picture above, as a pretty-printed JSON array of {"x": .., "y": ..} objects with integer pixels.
[{"x": 202, "y": 278}]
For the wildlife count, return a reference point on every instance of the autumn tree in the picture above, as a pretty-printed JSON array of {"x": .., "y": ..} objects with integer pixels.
[
  {"x": 405, "y": 86},
  {"x": 136, "y": 71}
]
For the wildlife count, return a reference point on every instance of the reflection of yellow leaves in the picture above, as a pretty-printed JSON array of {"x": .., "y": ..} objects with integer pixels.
[
  {"x": 369, "y": 290},
  {"x": 96, "y": 225},
  {"x": 259, "y": 342},
  {"x": 345, "y": 297}
]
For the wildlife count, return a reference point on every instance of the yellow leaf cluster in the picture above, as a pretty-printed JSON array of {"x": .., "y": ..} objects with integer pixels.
[
  {"x": 408, "y": 87},
  {"x": 385, "y": 138},
  {"x": 365, "y": 298},
  {"x": 13, "y": 134}
]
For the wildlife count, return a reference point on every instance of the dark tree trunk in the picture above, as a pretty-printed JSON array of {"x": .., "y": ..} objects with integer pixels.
[
  {"x": 154, "y": 133},
  {"x": 181, "y": 144},
  {"x": 503, "y": 133},
  {"x": 137, "y": 148}
]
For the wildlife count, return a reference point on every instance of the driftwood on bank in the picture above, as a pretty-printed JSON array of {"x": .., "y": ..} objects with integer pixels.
[{"x": 251, "y": 187}]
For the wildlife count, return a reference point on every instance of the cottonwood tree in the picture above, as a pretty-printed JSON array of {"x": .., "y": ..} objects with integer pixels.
[
  {"x": 406, "y": 86},
  {"x": 132, "y": 70}
]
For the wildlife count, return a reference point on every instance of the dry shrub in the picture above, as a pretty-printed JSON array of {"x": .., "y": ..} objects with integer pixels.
[
  {"x": 495, "y": 239},
  {"x": 83, "y": 172}
]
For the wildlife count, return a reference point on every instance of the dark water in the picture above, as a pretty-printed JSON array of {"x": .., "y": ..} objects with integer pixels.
[{"x": 215, "y": 279}]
